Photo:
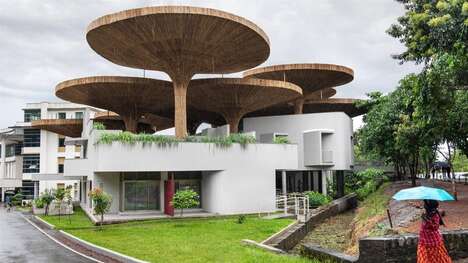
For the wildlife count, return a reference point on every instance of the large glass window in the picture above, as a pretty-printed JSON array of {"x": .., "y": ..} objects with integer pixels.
[
  {"x": 32, "y": 138},
  {"x": 141, "y": 195},
  {"x": 31, "y": 115},
  {"x": 31, "y": 163},
  {"x": 62, "y": 115},
  {"x": 10, "y": 150},
  {"x": 27, "y": 190}
]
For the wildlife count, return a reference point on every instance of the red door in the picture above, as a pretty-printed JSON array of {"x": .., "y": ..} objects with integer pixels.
[{"x": 169, "y": 188}]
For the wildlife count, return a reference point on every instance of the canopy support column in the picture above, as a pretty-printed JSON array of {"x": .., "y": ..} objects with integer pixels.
[
  {"x": 180, "y": 104},
  {"x": 298, "y": 106}
]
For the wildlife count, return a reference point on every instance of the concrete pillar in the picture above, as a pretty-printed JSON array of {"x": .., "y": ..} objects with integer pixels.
[
  {"x": 325, "y": 175},
  {"x": 2, "y": 159},
  {"x": 283, "y": 180},
  {"x": 309, "y": 181},
  {"x": 315, "y": 177}
]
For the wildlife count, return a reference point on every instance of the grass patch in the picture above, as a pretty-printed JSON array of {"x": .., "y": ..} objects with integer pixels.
[
  {"x": 190, "y": 240},
  {"x": 164, "y": 140},
  {"x": 78, "y": 220}
]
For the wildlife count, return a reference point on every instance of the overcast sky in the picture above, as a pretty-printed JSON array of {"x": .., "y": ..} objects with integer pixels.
[{"x": 43, "y": 42}]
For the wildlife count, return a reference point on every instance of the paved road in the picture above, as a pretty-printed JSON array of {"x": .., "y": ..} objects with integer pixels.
[{"x": 20, "y": 242}]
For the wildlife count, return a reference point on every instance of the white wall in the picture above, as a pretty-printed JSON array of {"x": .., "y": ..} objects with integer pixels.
[
  {"x": 294, "y": 125},
  {"x": 110, "y": 183},
  {"x": 234, "y": 180}
]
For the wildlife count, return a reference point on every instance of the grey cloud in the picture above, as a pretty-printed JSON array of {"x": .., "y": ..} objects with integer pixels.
[{"x": 43, "y": 42}]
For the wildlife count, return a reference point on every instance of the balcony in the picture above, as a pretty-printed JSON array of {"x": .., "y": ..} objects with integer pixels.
[{"x": 327, "y": 157}]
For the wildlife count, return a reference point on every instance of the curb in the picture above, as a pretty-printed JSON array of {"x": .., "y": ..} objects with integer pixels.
[
  {"x": 263, "y": 246},
  {"x": 58, "y": 242},
  {"x": 107, "y": 252},
  {"x": 47, "y": 224}
]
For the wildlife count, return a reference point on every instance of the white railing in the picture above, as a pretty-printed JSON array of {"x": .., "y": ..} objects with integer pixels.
[{"x": 294, "y": 203}]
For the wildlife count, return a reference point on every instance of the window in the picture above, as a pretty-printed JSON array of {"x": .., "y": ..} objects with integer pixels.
[
  {"x": 61, "y": 142},
  {"x": 10, "y": 150},
  {"x": 62, "y": 115},
  {"x": 79, "y": 115},
  {"x": 32, "y": 138},
  {"x": 31, "y": 115},
  {"x": 31, "y": 163},
  {"x": 60, "y": 186},
  {"x": 60, "y": 162}
]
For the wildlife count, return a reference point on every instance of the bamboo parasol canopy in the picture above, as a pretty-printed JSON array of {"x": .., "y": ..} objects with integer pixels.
[
  {"x": 234, "y": 97},
  {"x": 180, "y": 41},
  {"x": 310, "y": 77},
  {"x": 65, "y": 127},
  {"x": 314, "y": 106},
  {"x": 129, "y": 97}
]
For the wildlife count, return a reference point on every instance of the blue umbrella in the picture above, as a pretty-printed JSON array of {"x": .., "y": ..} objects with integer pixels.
[{"x": 423, "y": 192}]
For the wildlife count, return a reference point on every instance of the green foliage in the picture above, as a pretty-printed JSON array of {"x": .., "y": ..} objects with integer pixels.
[
  {"x": 164, "y": 140},
  {"x": 99, "y": 126},
  {"x": 39, "y": 203},
  {"x": 281, "y": 140},
  {"x": 460, "y": 162},
  {"x": 185, "y": 199},
  {"x": 47, "y": 197},
  {"x": 364, "y": 183},
  {"x": 17, "y": 199},
  {"x": 101, "y": 201},
  {"x": 431, "y": 27},
  {"x": 241, "y": 219},
  {"x": 317, "y": 199}
]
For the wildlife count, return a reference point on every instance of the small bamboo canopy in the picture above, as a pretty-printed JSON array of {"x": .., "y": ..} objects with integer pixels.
[{"x": 234, "y": 97}]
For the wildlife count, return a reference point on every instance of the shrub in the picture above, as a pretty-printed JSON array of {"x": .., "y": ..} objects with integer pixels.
[
  {"x": 241, "y": 219},
  {"x": 47, "y": 197},
  {"x": 185, "y": 199},
  {"x": 39, "y": 203},
  {"x": 364, "y": 182},
  {"x": 281, "y": 140},
  {"x": 317, "y": 199},
  {"x": 102, "y": 202},
  {"x": 17, "y": 199},
  {"x": 99, "y": 126}
]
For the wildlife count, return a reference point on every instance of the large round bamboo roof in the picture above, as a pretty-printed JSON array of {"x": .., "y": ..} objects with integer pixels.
[
  {"x": 236, "y": 95},
  {"x": 122, "y": 95},
  {"x": 177, "y": 39},
  {"x": 65, "y": 127},
  {"x": 310, "y": 77},
  {"x": 314, "y": 106}
]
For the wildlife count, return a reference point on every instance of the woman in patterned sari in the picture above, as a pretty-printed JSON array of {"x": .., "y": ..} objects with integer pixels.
[{"x": 431, "y": 248}]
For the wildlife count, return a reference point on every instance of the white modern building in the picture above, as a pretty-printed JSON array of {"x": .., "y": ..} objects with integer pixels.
[
  {"x": 33, "y": 159},
  {"x": 229, "y": 180}
]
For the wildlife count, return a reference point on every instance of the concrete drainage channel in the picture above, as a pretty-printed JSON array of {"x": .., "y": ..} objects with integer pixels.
[{"x": 79, "y": 246}]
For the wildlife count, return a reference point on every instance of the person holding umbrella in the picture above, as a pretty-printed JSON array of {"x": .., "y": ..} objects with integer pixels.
[{"x": 431, "y": 248}]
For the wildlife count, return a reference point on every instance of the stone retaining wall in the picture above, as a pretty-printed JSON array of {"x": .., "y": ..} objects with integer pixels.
[
  {"x": 403, "y": 248},
  {"x": 291, "y": 236},
  {"x": 392, "y": 249}
]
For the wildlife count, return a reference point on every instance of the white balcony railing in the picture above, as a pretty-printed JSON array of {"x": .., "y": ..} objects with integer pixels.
[{"x": 327, "y": 156}]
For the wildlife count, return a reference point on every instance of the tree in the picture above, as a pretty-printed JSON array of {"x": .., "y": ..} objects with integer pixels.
[
  {"x": 60, "y": 196},
  {"x": 101, "y": 201},
  {"x": 47, "y": 197},
  {"x": 185, "y": 199}
]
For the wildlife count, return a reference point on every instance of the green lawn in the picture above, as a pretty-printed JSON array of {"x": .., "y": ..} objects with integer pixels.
[
  {"x": 77, "y": 220},
  {"x": 182, "y": 240}
]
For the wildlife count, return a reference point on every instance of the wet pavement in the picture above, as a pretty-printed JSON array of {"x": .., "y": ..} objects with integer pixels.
[{"x": 20, "y": 242}]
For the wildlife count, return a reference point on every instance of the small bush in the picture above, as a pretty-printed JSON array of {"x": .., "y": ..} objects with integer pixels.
[
  {"x": 241, "y": 219},
  {"x": 185, "y": 199},
  {"x": 317, "y": 199},
  {"x": 99, "y": 126},
  {"x": 17, "y": 199},
  {"x": 365, "y": 182},
  {"x": 38, "y": 203},
  {"x": 281, "y": 140}
]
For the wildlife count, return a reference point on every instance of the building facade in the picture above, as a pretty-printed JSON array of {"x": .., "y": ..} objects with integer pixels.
[{"x": 37, "y": 156}]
